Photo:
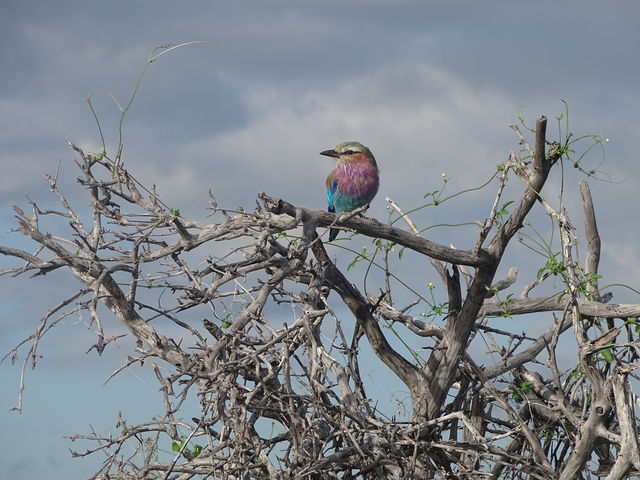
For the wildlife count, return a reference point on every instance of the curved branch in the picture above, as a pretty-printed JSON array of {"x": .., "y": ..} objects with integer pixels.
[
  {"x": 558, "y": 303},
  {"x": 358, "y": 305},
  {"x": 443, "y": 362},
  {"x": 372, "y": 228}
]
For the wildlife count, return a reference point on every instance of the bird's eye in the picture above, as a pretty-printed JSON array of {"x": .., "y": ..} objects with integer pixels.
[{"x": 349, "y": 152}]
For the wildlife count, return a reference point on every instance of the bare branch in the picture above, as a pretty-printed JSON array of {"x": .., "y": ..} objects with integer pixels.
[{"x": 243, "y": 316}]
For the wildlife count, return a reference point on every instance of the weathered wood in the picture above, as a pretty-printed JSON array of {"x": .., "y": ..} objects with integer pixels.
[{"x": 277, "y": 346}]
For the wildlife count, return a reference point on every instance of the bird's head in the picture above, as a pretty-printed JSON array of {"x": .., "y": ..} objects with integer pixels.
[{"x": 349, "y": 151}]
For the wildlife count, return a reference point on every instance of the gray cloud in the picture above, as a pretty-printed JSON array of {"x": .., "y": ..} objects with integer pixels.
[{"x": 429, "y": 86}]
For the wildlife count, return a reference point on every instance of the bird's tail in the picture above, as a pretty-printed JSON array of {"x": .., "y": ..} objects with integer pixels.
[{"x": 333, "y": 233}]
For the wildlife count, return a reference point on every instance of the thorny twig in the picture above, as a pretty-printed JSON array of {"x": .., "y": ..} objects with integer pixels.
[{"x": 278, "y": 382}]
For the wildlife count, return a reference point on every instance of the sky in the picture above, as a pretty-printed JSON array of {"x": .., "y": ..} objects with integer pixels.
[{"x": 429, "y": 86}]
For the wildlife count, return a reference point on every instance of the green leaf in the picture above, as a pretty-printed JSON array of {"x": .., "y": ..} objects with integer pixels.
[
  {"x": 197, "y": 450},
  {"x": 503, "y": 211},
  {"x": 361, "y": 256},
  {"x": 226, "y": 322},
  {"x": 525, "y": 386},
  {"x": 430, "y": 194},
  {"x": 607, "y": 354}
]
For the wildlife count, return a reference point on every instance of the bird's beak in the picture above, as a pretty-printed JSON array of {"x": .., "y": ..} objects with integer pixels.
[{"x": 330, "y": 153}]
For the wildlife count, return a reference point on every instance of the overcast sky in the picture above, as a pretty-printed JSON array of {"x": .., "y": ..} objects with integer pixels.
[{"x": 429, "y": 86}]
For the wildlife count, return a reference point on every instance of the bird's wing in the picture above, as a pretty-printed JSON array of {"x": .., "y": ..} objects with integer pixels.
[{"x": 332, "y": 186}]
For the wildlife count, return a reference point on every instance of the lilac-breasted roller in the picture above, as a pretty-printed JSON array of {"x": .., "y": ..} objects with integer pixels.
[{"x": 354, "y": 182}]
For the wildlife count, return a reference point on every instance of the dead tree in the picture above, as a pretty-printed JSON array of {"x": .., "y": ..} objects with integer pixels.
[{"x": 209, "y": 311}]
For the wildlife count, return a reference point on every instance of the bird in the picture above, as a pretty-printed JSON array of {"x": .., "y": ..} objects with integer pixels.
[{"x": 355, "y": 180}]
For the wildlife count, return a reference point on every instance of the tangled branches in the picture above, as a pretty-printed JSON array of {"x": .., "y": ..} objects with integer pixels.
[{"x": 243, "y": 310}]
